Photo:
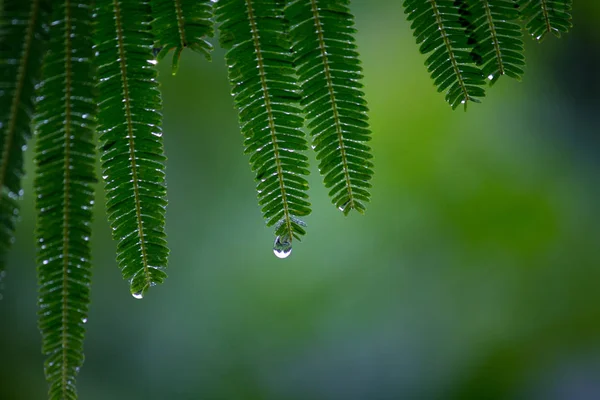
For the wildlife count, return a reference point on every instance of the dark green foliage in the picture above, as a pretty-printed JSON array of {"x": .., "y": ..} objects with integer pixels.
[
  {"x": 131, "y": 140},
  {"x": 288, "y": 60},
  {"x": 265, "y": 88},
  {"x": 328, "y": 66},
  {"x": 23, "y": 30},
  {"x": 498, "y": 39},
  {"x": 438, "y": 29},
  {"x": 546, "y": 16},
  {"x": 179, "y": 24},
  {"x": 65, "y": 175}
]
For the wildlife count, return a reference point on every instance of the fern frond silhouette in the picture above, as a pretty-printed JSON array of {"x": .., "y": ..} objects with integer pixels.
[
  {"x": 23, "y": 30},
  {"x": 546, "y": 16},
  {"x": 328, "y": 67},
  {"x": 131, "y": 141},
  {"x": 265, "y": 89},
  {"x": 437, "y": 27},
  {"x": 180, "y": 24},
  {"x": 65, "y": 157},
  {"x": 498, "y": 39}
]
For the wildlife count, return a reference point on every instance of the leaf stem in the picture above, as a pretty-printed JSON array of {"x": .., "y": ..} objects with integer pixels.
[
  {"x": 131, "y": 139},
  {"x": 268, "y": 107}
]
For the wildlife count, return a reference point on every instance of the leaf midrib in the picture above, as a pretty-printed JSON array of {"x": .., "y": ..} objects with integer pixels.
[
  {"x": 336, "y": 117},
  {"x": 130, "y": 137},
  {"x": 180, "y": 24},
  {"x": 14, "y": 107},
  {"x": 440, "y": 24},
  {"x": 265, "y": 90},
  {"x": 67, "y": 200},
  {"x": 495, "y": 40},
  {"x": 546, "y": 15}
]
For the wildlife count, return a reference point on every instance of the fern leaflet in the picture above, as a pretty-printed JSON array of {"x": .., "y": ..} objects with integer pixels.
[
  {"x": 65, "y": 175},
  {"x": 179, "y": 24},
  {"x": 265, "y": 89},
  {"x": 23, "y": 30},
  {"x": 546, "y": 16},
  {"x": 498, "y": 40},
  {"x": 131, "y": 140},
  {"x": 436, "y": 25},
  {"x": 327, "y": 65}
]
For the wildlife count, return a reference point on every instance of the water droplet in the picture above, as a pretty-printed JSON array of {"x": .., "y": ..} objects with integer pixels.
[
  {"x": 84, "y": 320},
  {"x": 282, "y": 247},
  {"x": 491, "y": 77},
  {"x": 138, "y": 295}
]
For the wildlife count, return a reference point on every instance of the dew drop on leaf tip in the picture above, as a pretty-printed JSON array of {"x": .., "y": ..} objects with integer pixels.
[
  {"x": 282, "y": 247},
  {"x": 138, "y": 295}
]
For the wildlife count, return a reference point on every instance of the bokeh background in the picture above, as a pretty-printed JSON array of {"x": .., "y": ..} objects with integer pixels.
[{"x": 475, "y": 273}]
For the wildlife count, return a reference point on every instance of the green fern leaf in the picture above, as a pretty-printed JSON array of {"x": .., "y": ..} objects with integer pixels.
[
  {"x": 23, "y": 31},
  {"x": 436, "y": 25},
  {"x": 327, "y": 64},
  {"x": 65, "y": 174},
  {"x": 498, "y": 39},
  {"x": 179, "y": 24},
  {"x": 546, "y": 16},
  {"x": 131, "y": 140},
  {"x": 265, "y": 89}
]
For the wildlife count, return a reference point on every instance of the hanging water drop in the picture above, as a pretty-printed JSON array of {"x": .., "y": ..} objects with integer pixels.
[
  {"x": 138, "y": 295},
  {"x": 282, "y": 247}
]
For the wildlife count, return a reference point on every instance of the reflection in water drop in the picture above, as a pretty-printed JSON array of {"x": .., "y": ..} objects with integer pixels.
[
  {"x": 138, "y": 295},
  {"x": 282, "y": 247},
  {"x": 84, "y": 320}
]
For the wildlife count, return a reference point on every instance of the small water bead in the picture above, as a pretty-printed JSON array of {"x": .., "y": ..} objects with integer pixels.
[
  {"x": 282, "y": 247},
  {"x": 138, "y": 295}
]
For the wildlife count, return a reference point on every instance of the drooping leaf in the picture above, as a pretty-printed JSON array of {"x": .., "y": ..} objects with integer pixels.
[
  {"x": 498, "y": 47},
  {"x": 129, "y": 127},
  {"x": 65, "y": 156},
  {"x": 437, "y": 28},
  {"x": 266, "y": 93},
  {"x": 23, "y": 35},
  {"x": 327, "y": 64},
  {"x": 180, "y": 24},
  {"x": 546, "y": 16}
]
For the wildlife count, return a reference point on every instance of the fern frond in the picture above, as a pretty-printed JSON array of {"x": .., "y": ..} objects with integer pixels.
[
  {"x": 265, "y": 89},
  {"x": 179, "y": 24},
  {"x": 327, "y": 64},
  {"x": 131, "y": 140},
  {"x": 498, "y": 39},
  {"x": 546, "y": 16},
  {"x": 65, "y": 156},
  {"x": 23, "y": 31},
  {"x": 436, "y": 25}
]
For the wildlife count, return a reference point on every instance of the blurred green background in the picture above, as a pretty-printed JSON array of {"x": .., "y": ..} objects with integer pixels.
[{"x": 475, "y": 273}]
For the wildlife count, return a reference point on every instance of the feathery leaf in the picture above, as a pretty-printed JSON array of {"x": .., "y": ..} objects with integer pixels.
[
  {"x": 437, "y": 27},
  {"x": 546, "y": 16},
  {"x": 327, "y": 64},
  {"x": 23, "y": 35},
  {"x": 498, "y": 39},
  {"x": 179, "y": 24},
  {"x": 265, "y": 89},
  {"x": 131, "y": 140},
  {"x": 65, "y": 156}
]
